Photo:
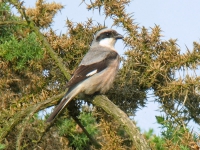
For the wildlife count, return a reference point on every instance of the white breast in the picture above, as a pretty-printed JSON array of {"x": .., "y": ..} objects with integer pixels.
[{"x": 108, "y": 42}]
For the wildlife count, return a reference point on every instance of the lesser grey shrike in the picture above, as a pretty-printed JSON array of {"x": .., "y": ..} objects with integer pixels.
[{"x": 97, "y": 70}]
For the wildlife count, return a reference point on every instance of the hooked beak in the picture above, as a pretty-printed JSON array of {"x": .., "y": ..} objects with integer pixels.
[{"x": 119, "y": 36}]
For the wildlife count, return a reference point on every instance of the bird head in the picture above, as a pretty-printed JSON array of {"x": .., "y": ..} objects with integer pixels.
[{"x": 106, "y": 38}]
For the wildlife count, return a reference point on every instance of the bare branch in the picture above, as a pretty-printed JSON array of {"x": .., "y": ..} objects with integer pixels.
[
  {"x": 104, "y": 103},
  {"x": 28, "y": 112},
  {"x": 13, "y": 22}
]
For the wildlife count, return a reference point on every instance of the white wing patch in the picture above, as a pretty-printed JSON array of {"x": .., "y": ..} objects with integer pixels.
[{"x": 91, "y": 73}]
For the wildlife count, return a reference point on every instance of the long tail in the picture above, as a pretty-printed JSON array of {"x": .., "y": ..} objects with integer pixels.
[{"x": 68, "y": 97}]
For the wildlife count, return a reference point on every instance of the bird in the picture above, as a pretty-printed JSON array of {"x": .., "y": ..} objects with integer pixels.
[{"x": 97, "y": 70}]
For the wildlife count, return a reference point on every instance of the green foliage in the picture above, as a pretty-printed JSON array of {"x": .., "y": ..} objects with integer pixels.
[
  {"x": 7, "y": 30},
  {"x": 74, "y": 133},
  {"x": 2, "y": 146},
  {"x": 89, "y": 122},
  {"x": 159, "y": 142},
  {"x": 169, "y": 130},
  {"x": 156, "y": 140},
  {"x": 20, "y": 52},
  {"x": 173, "y": 137},
  {"x": 4, "y": 6}
]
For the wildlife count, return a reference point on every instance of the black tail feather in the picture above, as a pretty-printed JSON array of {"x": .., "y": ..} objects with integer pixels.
[{"x": 58, "y": 109}]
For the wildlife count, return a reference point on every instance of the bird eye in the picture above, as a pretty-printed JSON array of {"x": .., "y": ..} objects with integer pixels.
[{"x": 107, "y": 34}]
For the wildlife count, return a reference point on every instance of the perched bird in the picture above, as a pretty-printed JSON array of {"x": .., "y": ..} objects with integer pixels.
[{"x": 97, "y": 70}]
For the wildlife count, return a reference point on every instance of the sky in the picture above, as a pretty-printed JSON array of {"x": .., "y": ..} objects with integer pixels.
[{"x": 178, "y": 20}]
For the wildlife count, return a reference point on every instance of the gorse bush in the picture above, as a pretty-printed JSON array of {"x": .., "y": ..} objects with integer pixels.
[
  {"x": 172, "y": 136},
  {"x": 21, "y": 52},
  {"x": 35, "y": 66},
  {"x": 77, "y": 138}
]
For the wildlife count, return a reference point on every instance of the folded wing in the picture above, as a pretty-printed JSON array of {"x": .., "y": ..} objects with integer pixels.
[{"x": 85, "y": 71}]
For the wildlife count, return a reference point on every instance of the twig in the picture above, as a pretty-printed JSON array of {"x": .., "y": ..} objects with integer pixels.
[
  {"x": 97, "y": 145},
  {"x": 13, "y": 22}
]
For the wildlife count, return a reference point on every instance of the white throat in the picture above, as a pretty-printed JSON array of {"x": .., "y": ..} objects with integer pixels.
[{"x": 108, "y": 42}]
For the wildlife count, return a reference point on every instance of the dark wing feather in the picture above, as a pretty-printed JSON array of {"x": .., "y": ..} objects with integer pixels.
[{"x": 83, "y": 70}]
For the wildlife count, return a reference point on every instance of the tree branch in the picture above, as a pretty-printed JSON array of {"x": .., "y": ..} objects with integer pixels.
[
  {"x": 138, "y": 140},
  {"x": 27, "y": 112},
  {"x": 97, "y": 145}
]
